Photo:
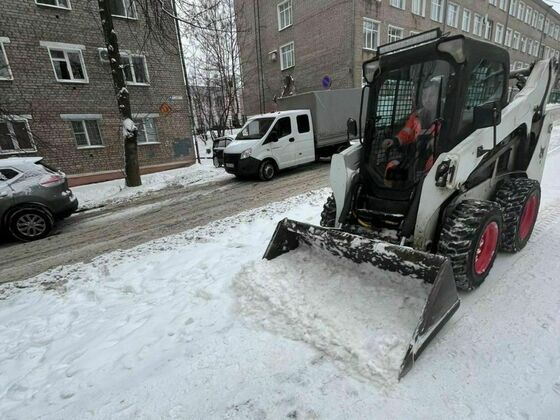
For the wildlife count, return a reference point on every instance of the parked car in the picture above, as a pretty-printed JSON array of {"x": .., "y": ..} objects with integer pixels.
[
  {"x": 218, "y": 147},
  {"x": 33, "y": 197}
]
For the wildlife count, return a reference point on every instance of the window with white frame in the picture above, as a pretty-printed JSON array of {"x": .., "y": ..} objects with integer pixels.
[
  {"x": 503, "y": 4},
  {"x": 528, "y": 14},
  {"x": 135, "y": 69},
  {"x": 147, "y": 131},
  {"x": 15, "y": 135},
  {"x": 477, "y": 25},
  {"x": 499, "y": 35},
  {"x": 529, "y": 46},
  {"x": 86, "y": 133},
  {"x": 534, "y": 19},
  {"x": 523, "y": 43},
  {"x": 61, "y": 4},
  {"x": 546, "y": 25},
  {"x": 371, "y": 34},
  {"x": 521, "y": 10},
  {"x": 507, "y": 41},
  {"x": 418, "y": 7},
  {"x": 436, "y": 12},
  {"x": 399, "y": 4},
  {"x": 492, "y": 2},
  {"x": 540, "y": 22},
  {"x": 515, "y": 40},
  {"x": 123, "y": 8},
  {"x": 488, "y": 28},
  {"x": 466, "y": 24},
  {"x": 557, "y": 33},
  {"x": 394, "y": 33},
  {"x": 68, "y": 62},
  {"x": 5, "y": 70},
  {"x": 512, "y": 7},
  {"x": 453, "y": 15},
  {"x": 285, "y": 17},
  {"x": 536, "y": 47},
  {"x": 287, "y": 56}
]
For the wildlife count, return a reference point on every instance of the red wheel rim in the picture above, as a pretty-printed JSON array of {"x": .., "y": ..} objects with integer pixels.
[
  {"x": 528, "y": 217},
  {"x": 486, "y": 248}
]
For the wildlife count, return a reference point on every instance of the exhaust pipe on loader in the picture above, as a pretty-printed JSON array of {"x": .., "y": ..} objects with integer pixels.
[{"x": 442, "y": 301}]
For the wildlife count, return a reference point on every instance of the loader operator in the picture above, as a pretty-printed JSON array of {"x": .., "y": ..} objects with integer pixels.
[{"x": 421, "y": 127}]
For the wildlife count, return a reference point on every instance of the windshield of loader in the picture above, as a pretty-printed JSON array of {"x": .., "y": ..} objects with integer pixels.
[
  {"x": 254, "y": 129},
  {"x": 407, "y": 119}
]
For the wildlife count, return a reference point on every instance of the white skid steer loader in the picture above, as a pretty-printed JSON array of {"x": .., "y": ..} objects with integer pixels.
[{"x": 446, "y": 174}]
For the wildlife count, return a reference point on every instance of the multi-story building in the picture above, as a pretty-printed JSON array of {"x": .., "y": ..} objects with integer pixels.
[
  {"x": 322, "y": 43},
  {"x": 57, "y": 98}
]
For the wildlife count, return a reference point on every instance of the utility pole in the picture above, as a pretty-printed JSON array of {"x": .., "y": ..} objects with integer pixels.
[{"x": 129, "y": 132}]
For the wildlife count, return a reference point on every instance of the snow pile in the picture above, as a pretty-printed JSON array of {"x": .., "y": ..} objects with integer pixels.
[
  {"x": 358, "y": 316},
  {"x": 111, "y": 192}
]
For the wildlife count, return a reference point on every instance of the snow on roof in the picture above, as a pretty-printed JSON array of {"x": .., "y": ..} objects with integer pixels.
[{"x": 13, "y": 161}]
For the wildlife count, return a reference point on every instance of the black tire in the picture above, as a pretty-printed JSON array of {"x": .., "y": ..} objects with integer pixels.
[
  {"x": 267, "y": 170},
  {"x": 328, "y": 215},
  {"x": 30, "y": 223},
  {"x": 515, "y": 196},
  {"x": 461, "y": 237}
]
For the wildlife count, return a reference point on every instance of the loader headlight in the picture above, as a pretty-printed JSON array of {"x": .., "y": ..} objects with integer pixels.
[{"x": 246, "y": 153}]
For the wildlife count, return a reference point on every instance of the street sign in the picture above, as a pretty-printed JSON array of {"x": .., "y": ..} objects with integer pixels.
[
  {"x": 164, "y": 108},
  {"x": 326, "y": 82}
]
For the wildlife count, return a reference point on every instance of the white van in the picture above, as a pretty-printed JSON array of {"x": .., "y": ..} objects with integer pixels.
[{"x": 309, "y": 125}]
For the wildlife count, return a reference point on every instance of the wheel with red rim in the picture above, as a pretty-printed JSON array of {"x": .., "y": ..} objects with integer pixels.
[
  {"x": 470, "y": 238},
  {"x": 519, "y": 200}
]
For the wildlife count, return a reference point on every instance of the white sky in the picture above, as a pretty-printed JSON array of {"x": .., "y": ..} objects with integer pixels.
[{"x": 554, "y": 3}]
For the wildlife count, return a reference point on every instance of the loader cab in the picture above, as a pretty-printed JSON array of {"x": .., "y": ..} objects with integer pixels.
[{"x": 423, "y": 94}]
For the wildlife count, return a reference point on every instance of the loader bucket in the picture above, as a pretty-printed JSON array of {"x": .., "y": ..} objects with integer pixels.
[{"x": 442, "y": 301}]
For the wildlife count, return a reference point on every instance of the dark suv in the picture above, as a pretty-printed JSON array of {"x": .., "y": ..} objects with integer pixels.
[{"x": 32, "y": 197}]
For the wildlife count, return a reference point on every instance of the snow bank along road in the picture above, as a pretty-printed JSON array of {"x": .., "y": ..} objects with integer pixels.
[
  {"x": 197, "y": 326},
  {"x": 121, "y": 226}
]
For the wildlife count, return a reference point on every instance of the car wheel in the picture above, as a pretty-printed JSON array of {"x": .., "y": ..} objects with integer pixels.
[
  {"x": 267, "y": 170},
  {"x": 30, "y": 223}
]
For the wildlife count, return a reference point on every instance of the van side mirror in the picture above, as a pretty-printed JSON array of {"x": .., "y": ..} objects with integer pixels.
[
  {"x": 351, "y": 128},
  {"x": 272, "y": 137},
  {"x": 487, "y": 115}
]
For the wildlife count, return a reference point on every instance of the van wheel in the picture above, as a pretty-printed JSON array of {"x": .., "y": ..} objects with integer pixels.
[
  {"x": 267, "y": 170},
  {"x": 519, "y": 199},
  {"x": 30, "y": 223},
  {"x": 470, "y": 238}
]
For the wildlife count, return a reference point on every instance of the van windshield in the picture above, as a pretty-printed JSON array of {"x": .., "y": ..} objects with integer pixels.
[{"x": 254, "y": 129}]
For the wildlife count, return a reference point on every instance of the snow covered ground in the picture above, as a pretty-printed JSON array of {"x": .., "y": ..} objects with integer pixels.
[
  {"x": 196, "y": 325},
  {"x": 111, "y": 192}
]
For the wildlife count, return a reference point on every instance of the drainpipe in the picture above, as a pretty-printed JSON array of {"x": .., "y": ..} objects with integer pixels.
[
  {"x": 444, "y": 15},
  {"x": 506, "y": 24},
  {"x": 352, "y": 43}
]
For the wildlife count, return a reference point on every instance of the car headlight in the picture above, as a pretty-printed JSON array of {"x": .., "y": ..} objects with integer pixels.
[{"x": 246, "y": 153}]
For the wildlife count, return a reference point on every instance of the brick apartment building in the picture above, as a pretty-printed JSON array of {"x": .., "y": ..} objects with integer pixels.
[
  {"x": 56, "y": 92},
  {"x": 324, "y": 42}
]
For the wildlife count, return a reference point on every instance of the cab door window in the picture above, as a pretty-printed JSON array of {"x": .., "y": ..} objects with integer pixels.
[{"x": 283, "y": 127}]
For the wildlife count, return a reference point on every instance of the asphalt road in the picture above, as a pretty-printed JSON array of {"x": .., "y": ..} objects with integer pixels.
[{"x": 91, "y": 233}]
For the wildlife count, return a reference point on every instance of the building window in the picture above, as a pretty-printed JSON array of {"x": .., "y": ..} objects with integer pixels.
[
  {"x": 87, "y": 133},
  {"x": 284, "y": 14},
  {"x": 528, "y": 14},
  {"x": 523, "y": 43},
  {"x": 512, "y": 7},
  {"x": 437, "y": 10},
  {"x": 5, "y": 71},
  {"x": 123, "y": 8},
  {"x": 541, "y": 22},
  {"x": 419, "y": 7},
  {"x": 529, "y": 46},
  {"x": 61, "y": 4},
  {"x": 371, "y": 34},
  {"x": 15, "y": 135},
  {"x": 557, "y": 32},
  {"x": 492, "y": 2},
  {"x": 453, "y": 15},
  {"x": 287, "y": 56},
  {"x": 515, "y": 42},
  {"x": 147, "y": 132},
  {"x": 507, "y": 41},
  {"x": 466, "y": 24},
  {"x": 547, "y": 26},
  {"x": 536, "y": 47},
  {"x": 477, "y": 27},
  {"x": 534, "y": 19},
  {"x": 394, "y": 34},
  {"x": 135, "y": 69},
  {"x": 521, "y": 10},
  {"x": 499, "y": 35},
  {"x": 399, "y": 4},
  {"x": 68, "y": 65},
  {"x": 488, "y": 28},
  {"x": 503, "y": 4}
]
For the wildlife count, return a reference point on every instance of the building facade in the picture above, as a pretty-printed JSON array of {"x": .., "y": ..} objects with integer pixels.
[
  {"x": 57, "y": 98},
  {"x": 317, "y": 44}
]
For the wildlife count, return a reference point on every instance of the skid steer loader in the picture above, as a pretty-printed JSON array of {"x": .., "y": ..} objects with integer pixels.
[{"x": 446, "y": 174}]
